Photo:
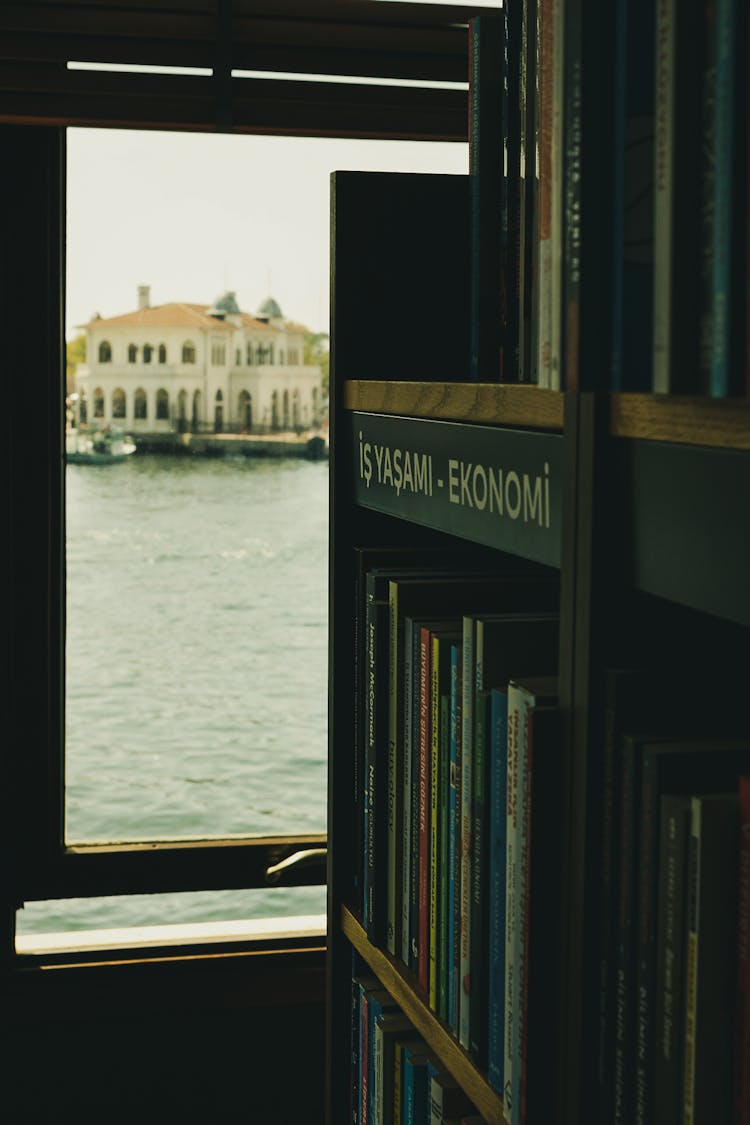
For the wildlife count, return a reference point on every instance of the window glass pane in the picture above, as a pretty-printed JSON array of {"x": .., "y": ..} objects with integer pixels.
[{"x": 196, "y": 647}]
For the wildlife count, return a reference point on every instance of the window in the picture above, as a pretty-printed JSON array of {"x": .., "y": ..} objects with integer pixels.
[
  {"x": 98, "y": 403},
  {"x": 140, "y": 407},
  {"x": 238, "y": 358},
  {"x": 238, "y": 862},
  {"x": 245, "y": 410},
  {"x": 105, "y": 352},
  {"x": 162, "y": 353},
  {"x": 148, "y": 352},
  {"x": 132, "y": 353},
  {"x": 218, "y": 354},
  {"x": 162, "y": 404},
  {"x": 249, "y": 353},
  {"x": 119, "y": 402}
]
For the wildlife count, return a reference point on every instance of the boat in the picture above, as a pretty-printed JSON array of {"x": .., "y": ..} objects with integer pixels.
[{"x": 97, "y": 447}]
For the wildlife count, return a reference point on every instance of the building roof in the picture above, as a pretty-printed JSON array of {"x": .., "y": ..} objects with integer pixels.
[
  {"x": 271, "y": 308},
  {"x": 181, "y": 315}
]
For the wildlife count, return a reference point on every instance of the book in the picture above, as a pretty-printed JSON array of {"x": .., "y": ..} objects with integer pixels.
[
  {"x": 531, "y": 701},
  {"x": 674, "y": 820},
  {"x": 711, "y": 964},
  {"x": 447, "y": 1098},
  {"x": 376, "y": 758},
  {"x": 496, "y": 906},
  {"x": 677, "y": 198},
  {"x": 444, "y": 906},
  {"x": 742, "y": 1009},
  {"x": 454, "y": 838},
  {"x": 679, "y": 767},
  {"x": 390, "y": 1027},
  {"x": 415, "y": 1093},
  {"x": 487, "y": 93},
  {"x": 478, "y": 1013}
]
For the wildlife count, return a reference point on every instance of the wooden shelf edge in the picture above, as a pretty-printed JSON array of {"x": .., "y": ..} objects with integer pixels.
[
  {"x": 482, "y": 403},
  {"x": 715, "y": 422},
  {"x": 454, "y": 1057}
]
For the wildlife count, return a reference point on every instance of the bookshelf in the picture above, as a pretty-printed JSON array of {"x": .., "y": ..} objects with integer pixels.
[{"x": 649, "y": 547}]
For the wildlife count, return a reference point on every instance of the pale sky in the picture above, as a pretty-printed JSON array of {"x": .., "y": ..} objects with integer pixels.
[{"x": 193, "y": 215}]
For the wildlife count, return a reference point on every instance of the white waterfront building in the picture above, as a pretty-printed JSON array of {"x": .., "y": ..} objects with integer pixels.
[{"x": 197, "y": 367}]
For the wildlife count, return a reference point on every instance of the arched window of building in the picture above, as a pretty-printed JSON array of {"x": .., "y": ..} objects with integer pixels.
[
  {"x": 245, "y": 410},
  {"x": 148, "y": 352},
  {"x": 281, "y": 356},
  {"x": 162, "y": 353},
  {"x": 182, "y": 411},
  {"x": 162, "y": 404},
  {"x": 98, "y": 403},
  {"x": 140, "y": 406},
  {"x": 275, "y": 410},
  {"x": 119, "y": 403},
  {"x": 188, "y": 352},
  {"x": 286, "y": 410},
  {"x": 315, "y": 404},
  {"x": 218, "y": 354},
  {"x": 270, "y": 353},
  {"x": 132, "y": 353},
  {"x": 105, "y": 352},
  {"x": 295, "y": 409},
  {"x": 218, "y": 412},
  {"x": 196, "y": 409},
  {"x": 238, "y": 358},
  {"x": 83, "y": 410},
  {"x": 249, "y": 354}
]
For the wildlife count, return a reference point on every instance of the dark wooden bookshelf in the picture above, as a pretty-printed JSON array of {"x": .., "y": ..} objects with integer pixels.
[
  {"x": 720, "y": 422},
  {"x": 504, "y": 404},
  {"x": 402, "y": 987}
]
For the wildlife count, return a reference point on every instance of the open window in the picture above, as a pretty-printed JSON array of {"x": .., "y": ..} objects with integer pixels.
[{"x": 252, "y": 72}]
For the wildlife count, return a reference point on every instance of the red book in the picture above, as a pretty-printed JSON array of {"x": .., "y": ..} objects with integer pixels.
[
  {"x": 423, "y": 947},
  {"x": 742, "y": 1021}
]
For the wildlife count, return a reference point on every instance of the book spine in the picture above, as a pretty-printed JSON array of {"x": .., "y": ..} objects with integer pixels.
[
  {"x": 398, "y": 1066},
  {"x": 478, "y": 1021},
  {"x": 556, "y": 194},
  {"x": 623, "y": 1045},
  {"x": 467, "y": 734},
  {"x": 607, "y": 904},
  {"x": 524, "y": 172},
  {"x": 355, "y": 1061},
  {"x": 364, "y": 1059},
  {"x": 375, "y": 872},
  {"x": 722, "y": 210},
  {"x": 523, "y": 882},
  {"x": 456, "y": 966},
  {"x": 452, "y": 819},
  {"x": 415, "y": 804},
  {"x": 512, "y": 239},
  {"x": 707, "y": 193},
  {"x": 673, "y": 828},
  {"x": 406, "y": 803},
  {"x": 691, "y": 970},
  {"x": 395, "y": 664},
  {"x": 434, "y": 853},
  {"x": 546, "y": 79},
  {"x": 646, "y": 940},
  {"x": 443, "y": 864},
  {"x": 486, "y": 117},
  {"x": 378, "y": 1118},
  {"x": 496, "y": 910},
  {"x": 663, "y": 179},
  {"x": 423, "y": 955},
  {"x": 573, "y": 132},
  {"x": 742, "y": 1019},
  {"x": 512, "y": 906}
]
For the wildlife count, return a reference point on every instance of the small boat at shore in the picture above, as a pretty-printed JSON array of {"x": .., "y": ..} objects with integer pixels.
[{"x": 97, "y": 447}]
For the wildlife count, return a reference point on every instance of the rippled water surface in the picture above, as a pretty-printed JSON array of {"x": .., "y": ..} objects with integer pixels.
[{"x": 196, "y": 658}]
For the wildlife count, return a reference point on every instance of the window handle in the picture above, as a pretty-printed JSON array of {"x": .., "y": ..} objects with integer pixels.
[{"x": 274, "y": 872}]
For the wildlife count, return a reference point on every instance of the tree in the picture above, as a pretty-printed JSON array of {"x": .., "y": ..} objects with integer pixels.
[
  {"x": 75, "y": 353},
  {"x": 316, "y": 351}
]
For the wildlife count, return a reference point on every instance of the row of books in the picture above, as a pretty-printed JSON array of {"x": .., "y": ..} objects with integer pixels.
[
  {"x": 675, "y": 907},
  {"x": 672, "y": 145},
  {"x": 459, "y": 700},
  {"x": 396, "y": 1078}
]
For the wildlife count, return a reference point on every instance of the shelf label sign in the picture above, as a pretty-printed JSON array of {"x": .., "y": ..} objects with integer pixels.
[{"x": 495, "y": 486}]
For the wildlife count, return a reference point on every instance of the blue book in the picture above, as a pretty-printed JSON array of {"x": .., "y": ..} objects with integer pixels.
[
  {"x": 497, "y": 856},
  {"x": 452, "y": 1019},
  {"x": 414, "y": 1099},
  {"x": 379, "y": 1002}
]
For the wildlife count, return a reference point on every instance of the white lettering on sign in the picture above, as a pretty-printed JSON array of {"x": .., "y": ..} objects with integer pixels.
[
  {"x": 505, "y": 492},
  {"x": 400, "y": 469}
]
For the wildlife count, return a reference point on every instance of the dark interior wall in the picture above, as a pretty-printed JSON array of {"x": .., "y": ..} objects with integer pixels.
[{"x": 212, "y": 1039}]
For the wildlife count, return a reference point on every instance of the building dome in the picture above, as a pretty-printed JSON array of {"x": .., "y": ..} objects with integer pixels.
[
  {"x": 270, "y": 309},
  {"x": 226, "y": 305}
]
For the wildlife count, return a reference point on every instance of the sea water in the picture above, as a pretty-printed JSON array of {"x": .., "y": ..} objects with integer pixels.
[{"x": 196, "y": 678}]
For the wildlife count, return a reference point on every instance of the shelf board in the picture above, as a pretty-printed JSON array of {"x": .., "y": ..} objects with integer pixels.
[
  {"x": 433, "y": 1031},
  {"x": 717, "y": 422},
  {"x": 489, "y": 403}
]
